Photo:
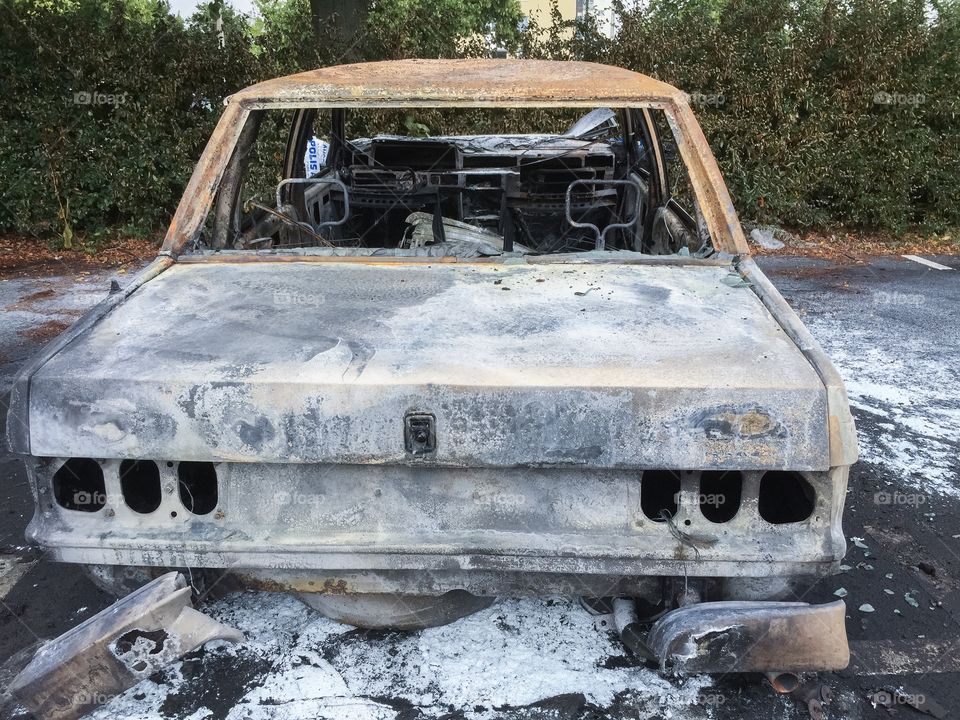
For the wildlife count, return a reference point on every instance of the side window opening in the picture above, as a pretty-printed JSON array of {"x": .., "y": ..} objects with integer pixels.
[{"x": 677, "y": 224}]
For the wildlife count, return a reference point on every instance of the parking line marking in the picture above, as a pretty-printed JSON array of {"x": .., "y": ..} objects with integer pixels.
[
  {"x": 904, "y": 657},
  {"x": 928, "y": 263}
]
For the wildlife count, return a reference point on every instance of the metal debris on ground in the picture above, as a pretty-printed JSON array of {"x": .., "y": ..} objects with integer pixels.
[
  {"x": 814, "y": 695},
  {"x": 782, "y": 638},
  {"x": 764, "y": 237},
  {"x": 115, "y": 649}
]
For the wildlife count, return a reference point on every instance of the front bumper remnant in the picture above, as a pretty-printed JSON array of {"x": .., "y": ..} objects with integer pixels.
[
  {"x": 116, "y": 649},
  {"x": 768, "y": 637}
]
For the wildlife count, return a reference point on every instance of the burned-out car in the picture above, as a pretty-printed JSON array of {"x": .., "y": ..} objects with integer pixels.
[{"x": 468, "y": 329}]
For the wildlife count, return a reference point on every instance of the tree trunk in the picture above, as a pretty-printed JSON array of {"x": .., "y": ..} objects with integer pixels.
[{"x": 348, "y": 16}]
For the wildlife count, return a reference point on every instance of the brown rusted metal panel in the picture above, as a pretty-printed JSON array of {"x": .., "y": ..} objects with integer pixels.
[
  {"x": 711, "y": 191},
  {"x": 200, "y": 191},
  {"x": 725, "y": 637},
  {"x": 116, "y": 649},
  {"x": 461, "y": 82}
]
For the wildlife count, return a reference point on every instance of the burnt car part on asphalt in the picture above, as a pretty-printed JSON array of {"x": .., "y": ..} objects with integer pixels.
[
  {"x": 115, "y": 649},
  {"x": 449, "y": 368}
]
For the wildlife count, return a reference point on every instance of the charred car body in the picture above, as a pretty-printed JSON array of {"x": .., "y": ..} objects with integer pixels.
[{"x": 444, "y": 368}]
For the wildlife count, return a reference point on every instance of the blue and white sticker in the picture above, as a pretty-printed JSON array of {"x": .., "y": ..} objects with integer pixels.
[{"x": 316, "y": 156}]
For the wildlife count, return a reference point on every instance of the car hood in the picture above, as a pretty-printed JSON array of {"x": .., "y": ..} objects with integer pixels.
[{"x": 599, "y": 364}]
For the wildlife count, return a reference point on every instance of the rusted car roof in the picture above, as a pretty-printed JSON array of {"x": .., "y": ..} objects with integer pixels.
[{"x": 462, "y": 82}]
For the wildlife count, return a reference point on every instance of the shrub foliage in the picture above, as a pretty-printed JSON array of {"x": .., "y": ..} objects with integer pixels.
[{"x": 821, "y": 112}]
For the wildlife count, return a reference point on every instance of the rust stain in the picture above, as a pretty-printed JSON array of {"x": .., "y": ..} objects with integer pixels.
[
  {"x": 755, "y": 423},
  {"x": 467, "y": 80},
  {"x": 328, "y": 586},
  {"x": 205, "y": 180},
  {"x": 334, "y": 587}
]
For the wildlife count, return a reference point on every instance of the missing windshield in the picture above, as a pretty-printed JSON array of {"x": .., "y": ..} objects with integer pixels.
[{"x": 465, "y": 183}]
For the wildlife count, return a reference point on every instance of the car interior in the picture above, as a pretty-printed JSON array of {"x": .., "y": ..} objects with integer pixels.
[{"x": 601, "y": 183}]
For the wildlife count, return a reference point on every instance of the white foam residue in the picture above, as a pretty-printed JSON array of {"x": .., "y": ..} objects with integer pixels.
[
  {"x": 201, "y": 714},
  {"x": 513, "y": 654},
  {"x": 267, "y": 620},
  {"x": 910, "y": 395},
  {"x": 142, "y": 701}
]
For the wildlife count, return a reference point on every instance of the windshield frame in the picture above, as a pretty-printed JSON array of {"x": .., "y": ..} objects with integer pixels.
[{"x": 710, "y": 192}]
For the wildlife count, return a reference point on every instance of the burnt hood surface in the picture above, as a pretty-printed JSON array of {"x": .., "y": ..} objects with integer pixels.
[{"x": 556, "y": 364}]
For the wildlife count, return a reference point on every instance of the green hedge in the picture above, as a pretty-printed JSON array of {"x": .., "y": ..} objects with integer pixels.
[{"x": 820, "y": 113}]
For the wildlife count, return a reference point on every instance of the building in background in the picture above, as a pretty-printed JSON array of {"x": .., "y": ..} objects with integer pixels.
[
  {"x": 186, "y": 8},
  {"x": 539, "y": 10},
  {"x": 602, "y": 10}
]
